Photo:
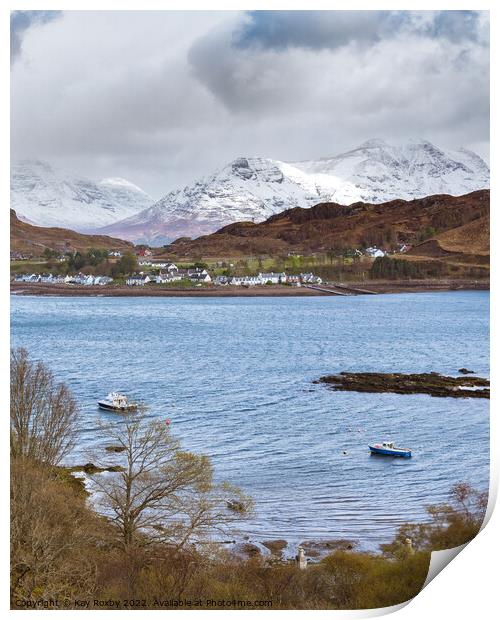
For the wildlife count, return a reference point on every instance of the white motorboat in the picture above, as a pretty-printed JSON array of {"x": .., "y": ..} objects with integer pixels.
[{"x": 116, "y": 402}]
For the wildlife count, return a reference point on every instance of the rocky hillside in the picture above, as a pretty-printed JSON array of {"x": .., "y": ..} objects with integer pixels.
[
  {"x": 30, "y": 239},
  {"x": 253, "y": 189},
  {"x": 436, "y": 225}
]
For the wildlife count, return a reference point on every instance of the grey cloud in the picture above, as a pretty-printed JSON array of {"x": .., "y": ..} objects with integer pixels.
[
  {"x": 20, "y": 22},
  {"x": 312, "y": 29},
  {"x": 333, "y": 29},
  {"x": 185, "y": 98},
  {"x": 279, "y": 77}
]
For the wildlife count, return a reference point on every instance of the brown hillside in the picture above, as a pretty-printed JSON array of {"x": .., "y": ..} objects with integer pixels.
[
  {"x": 460, "y": 225},
  {"x": 34, "y": 239}
]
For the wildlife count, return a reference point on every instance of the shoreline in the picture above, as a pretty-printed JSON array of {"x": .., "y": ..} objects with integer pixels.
[{"x": 371, "y": 287}]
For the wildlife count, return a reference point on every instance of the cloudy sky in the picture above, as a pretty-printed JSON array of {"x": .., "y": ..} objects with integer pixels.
[{"x": 162, "y": 98}]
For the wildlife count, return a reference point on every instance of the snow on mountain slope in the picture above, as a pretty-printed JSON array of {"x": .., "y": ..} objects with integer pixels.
[
  {"x": 255, "y": 188},
  {"x": 47, "y": 197},
  {"x": 377, "y": 171},
  {"x": 246, "y": 189}
]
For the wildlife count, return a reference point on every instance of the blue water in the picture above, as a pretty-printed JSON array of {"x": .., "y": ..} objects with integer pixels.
[{"x": 235, "y": 377}]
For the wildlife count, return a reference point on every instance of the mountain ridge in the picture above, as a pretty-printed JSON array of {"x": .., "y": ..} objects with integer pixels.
[
  {"x": 45, "y": 196},
  {"x": 439, "y": 226},
  {"x": 253, "y": 189}
]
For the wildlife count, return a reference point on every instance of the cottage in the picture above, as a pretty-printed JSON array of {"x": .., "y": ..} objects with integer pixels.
[
  {"x": 20, "y": 256},
  {"x": 21, "y": 277},
  {"x": 102, "y": 280},
  {"x": 137, "y": 280},
  {"x": 250, "y": 281},
  {"x": 59, "y": 279},
  {"x": 273, "y": 278},
  {"x": 236, "y": 281},
  {"x": 310, "y": 278},
  {"x": 165, "y": 277},
  {"x": 79, "y": 278},
  {"x": 374, "y": 252},
  {"x": 195, "y": 275},
  {"x": 199, "y": 277},
  {"x": 46, "y": 278}
]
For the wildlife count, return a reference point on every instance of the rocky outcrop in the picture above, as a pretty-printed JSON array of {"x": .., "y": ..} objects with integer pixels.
[{"x": 431, "y": 383}]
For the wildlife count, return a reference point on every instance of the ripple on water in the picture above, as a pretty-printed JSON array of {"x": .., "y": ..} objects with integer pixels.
[{"x": 235, "y": 377}]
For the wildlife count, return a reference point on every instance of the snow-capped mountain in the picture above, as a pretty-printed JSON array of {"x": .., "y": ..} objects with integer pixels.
[
  {"x": 246, "y": 189},
  {"x": 253, "y": 189},
  {"x": 47, "y": 197}
]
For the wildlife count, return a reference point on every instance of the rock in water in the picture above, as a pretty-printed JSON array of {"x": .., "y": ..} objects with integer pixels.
[{"x": 431, "y": 383}]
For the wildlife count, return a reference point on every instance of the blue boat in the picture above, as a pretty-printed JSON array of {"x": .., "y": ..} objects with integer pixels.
[{"x": 387, "y": 448}]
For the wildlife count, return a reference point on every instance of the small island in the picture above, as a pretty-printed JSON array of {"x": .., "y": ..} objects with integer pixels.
[{"x": 431, "y": 383}]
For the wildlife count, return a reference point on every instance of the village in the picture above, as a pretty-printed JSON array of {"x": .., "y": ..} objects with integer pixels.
[
  {"x": 171, "y": 274},
  {"x": 153, "y": 272}
]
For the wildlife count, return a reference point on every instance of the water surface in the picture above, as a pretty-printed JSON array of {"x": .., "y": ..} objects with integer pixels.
[{"x": 235, "y": 377}]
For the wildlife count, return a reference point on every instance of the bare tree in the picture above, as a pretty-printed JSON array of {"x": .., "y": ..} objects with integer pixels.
[
  {"x": 162, "y": 491},
  {"x": 42, "y": 412}
]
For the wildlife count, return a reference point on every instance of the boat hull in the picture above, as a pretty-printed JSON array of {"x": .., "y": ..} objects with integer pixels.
[
  {"x": 108, "y": 407},
  {"x": 406, "y": 454}
]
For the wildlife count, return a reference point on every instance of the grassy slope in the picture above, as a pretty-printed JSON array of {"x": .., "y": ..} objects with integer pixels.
[{"x": 34, "y": 239}]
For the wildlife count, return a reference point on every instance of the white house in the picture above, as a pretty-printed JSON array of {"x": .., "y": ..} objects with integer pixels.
[
  {"x": 246, "y": 280},
  {"x": 137, "y": 280},
  {"x": 195, "y": 275},
  {"x": 310, "y": 278},
  {"x": 374, "y": 252},
  {"x": 165, "y": 277},
  {"x": 198, "y": 270},
  {"x": 79, "y": 278},
  {"x": 200, "y": 276},
  {"x": 236, "y": 280},
  {"x": 59, "y": 279},
  {"x": 162, "y": 265},
  {"x": 273, "y": 278},
  {"x": 102, "y": 280}
]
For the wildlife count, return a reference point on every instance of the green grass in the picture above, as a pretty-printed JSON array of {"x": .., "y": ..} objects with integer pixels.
[{"x": 28, "y": 266}]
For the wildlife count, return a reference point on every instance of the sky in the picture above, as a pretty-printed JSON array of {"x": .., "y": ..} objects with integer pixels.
[{"x": 164, "y": 98}]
